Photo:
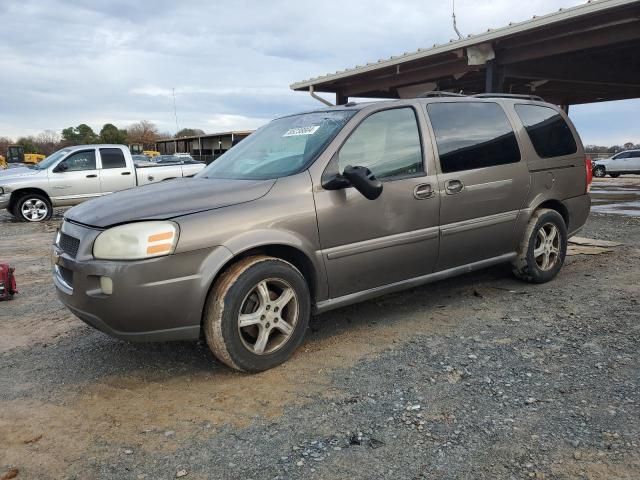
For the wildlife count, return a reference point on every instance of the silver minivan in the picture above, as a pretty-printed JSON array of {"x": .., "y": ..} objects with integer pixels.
[{"x": 323, "y": 209}]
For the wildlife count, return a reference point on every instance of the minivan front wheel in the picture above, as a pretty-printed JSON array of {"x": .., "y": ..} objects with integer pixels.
[
  {"x": 257, "y": 313},
  {"x": 543, "y": 247}
]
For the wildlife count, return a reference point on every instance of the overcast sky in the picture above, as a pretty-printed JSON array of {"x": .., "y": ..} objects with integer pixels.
[{"x": 65, "y": 62}]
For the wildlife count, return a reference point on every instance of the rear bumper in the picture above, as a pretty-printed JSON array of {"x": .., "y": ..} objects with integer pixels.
[
  {"x": 578, "y": 209},
  {"x": 152, "y": 300}
]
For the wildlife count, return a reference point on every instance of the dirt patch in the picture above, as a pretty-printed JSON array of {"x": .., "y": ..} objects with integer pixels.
[{"x": 476, "y": 377}]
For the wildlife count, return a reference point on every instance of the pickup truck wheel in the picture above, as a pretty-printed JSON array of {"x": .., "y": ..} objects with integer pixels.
[
  {"x": 257, "y": 313},
  {"x": 543, "y": 247},
  {"x": 599, "y": 171},
  {"x": 33, "y": 207}
]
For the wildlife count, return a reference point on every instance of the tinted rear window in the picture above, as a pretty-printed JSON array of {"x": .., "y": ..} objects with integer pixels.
[
  {"x": 472, "y": 135},
  {"x": 112, "y": 158},
  {"x": 549, "y": 133}
]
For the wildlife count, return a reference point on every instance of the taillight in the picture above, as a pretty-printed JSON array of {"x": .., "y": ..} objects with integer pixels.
[{"x": 588, "y": 164}]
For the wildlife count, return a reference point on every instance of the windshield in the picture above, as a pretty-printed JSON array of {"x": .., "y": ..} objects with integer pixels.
[
  {"x": 282, "y": 147},
  {"x": 51, "y": 159}
]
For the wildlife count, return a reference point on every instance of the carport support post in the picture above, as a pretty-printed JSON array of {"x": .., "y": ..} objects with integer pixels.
[
  {"x": 341, "y": 99},
  {"x": 494, "y": 77}
]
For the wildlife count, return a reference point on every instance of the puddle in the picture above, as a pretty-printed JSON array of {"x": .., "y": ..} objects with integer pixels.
[{"x": 607, "y": 197}]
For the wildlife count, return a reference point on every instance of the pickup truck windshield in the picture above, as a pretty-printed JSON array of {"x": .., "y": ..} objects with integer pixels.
[
  {"x": 282, "y": 147},
  {"x": 50, "y": 160}
]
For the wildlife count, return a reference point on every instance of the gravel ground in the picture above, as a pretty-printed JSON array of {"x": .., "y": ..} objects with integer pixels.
[{"x": 476, "y": 377}]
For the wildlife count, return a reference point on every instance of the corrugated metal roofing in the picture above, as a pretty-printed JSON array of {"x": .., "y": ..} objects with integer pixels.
[{"x": 563, "y": 14}]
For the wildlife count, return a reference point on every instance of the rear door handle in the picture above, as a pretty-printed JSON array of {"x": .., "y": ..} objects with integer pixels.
[
  {"x": 93, "y": 175},
  {"x": 422, "y": 191},
  {"x": 453, "y": 186}
]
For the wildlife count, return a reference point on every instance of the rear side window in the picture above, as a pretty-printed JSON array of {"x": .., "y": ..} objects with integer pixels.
[
  {"x": 112, "y": 158},
  {"x": 549, "y": 133},
  {"x": 472, "y": 135},
  {"x": 387, "y": 142}
]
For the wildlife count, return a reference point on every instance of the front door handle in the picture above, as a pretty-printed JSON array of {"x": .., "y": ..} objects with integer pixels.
[
  {"x": 453, "y": 186},
  {"x": 422, "y": 191},
  {"x": 93, "y": 175},
  {"x": 125, "y": 173}
]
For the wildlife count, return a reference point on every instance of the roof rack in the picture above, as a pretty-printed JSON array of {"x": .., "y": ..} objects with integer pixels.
[
  {"x": 509, "y": 95},
  {"x": 439, "y": 94}
]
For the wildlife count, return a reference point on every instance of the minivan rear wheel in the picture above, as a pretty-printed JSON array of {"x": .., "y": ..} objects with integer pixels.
[
  {"x": 257, "y": 313},
  {"x": 543, "y": 247}
]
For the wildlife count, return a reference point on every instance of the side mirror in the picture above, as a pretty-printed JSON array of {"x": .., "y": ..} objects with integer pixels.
[
  {"x": 336, "y": 182},
  {"x": 61, "y": 167},
  {"x": 364, "y": 181}
]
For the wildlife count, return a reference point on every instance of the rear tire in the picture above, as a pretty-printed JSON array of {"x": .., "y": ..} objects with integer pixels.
[
  {"x": 543, "y": 247},
  {"x": 614, "y": 175},
  {"x": 33, "y": 207},
  {"x": 257, "y": 313}
]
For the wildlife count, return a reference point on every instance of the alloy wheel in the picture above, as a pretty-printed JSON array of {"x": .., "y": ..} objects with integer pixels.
[
  {"x": 34, "y": 209},
  {"x": 268, "y": 316},
  {"x": 547, "y": 247}
]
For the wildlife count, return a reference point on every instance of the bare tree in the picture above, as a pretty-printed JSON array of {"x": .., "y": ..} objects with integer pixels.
[
  {"x": 143, "y": 132},
  {"x": 4, "y": 145},
  {"x": 48, "y": 141}
]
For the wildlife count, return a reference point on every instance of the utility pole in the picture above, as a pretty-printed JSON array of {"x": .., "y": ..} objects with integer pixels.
[{"x": 175, "y": 111}]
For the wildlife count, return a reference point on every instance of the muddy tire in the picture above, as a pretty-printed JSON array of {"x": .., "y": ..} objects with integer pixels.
[
  {"x": 599, "y": 171},
  {"x": 543, "y": 247},
  {"x": 257, "y": 313},
  {"x": 33, "y": 207}
]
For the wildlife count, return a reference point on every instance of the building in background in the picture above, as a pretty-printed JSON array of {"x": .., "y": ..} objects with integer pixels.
[{"x": 206, "y": 147}]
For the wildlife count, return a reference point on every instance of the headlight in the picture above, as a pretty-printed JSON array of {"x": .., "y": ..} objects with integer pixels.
[{"x": 136, "y": 240}]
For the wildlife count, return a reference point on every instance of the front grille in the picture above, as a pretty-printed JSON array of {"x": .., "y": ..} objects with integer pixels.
[{"x": 69, "y": 244}]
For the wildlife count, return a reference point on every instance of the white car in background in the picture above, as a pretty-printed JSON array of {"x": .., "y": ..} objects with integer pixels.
[{"x": 623, "y": 162}]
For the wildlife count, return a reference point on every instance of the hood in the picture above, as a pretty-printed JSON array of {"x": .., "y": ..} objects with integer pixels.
[
  {"x": 18, "y": 172},
  {"x": 165, "y": 200},
  {"x": 601, "y": 161}
]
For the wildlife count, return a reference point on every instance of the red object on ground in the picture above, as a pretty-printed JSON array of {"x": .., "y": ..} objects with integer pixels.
[{"x": 7, "y": 282}]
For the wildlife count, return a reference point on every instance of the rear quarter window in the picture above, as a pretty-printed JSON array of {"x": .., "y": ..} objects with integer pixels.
[
  {"x": 112, "y": 158},
  {"x": 547, "y": 130}
]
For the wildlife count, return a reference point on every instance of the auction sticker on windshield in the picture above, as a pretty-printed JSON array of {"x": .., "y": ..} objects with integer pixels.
[{"x": 294, "y": 132}]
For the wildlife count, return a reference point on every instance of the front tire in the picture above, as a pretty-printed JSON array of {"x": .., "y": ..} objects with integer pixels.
[
  {"x": 257, "y": 313},
  {"x": 599, "y": 171},
  {"x": 543, "y": 247},
  {"x": 33, "y": 207}
]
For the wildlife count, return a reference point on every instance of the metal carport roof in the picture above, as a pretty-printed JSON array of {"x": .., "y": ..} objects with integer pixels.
[{"x": 582, "y": 54}]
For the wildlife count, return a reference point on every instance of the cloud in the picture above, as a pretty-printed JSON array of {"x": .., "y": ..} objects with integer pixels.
[{"x": 66, "y": 62}]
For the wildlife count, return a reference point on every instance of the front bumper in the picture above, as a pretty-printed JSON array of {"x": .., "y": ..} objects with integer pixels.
[
  {"x": 4, "y": 200},
  {"x": 156, "y": 299}
]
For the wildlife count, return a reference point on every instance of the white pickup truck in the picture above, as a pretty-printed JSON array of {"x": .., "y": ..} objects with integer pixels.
[{"x": 75, "y": 174}]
